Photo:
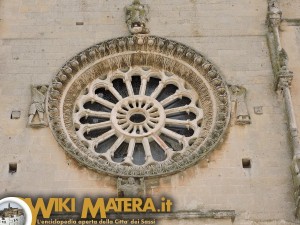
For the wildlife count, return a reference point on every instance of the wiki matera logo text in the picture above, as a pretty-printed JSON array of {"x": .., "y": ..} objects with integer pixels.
[{"x": 11, "y": 214}]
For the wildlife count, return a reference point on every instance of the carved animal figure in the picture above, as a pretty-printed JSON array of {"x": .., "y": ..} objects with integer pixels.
[{"x": 137, "y": 17}]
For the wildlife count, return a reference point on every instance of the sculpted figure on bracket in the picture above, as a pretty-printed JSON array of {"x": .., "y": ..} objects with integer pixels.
[
  {"x": 238, "y": 97},
  {"x": 137, "y": 17},
  {"x": 274, "y": 7},
  {"x": 275, "y": 13},
  {"x": 38, "y": 96},
  {"x": 285, "y": 76},
  {"x": 131, "y": 187},
  {"x": 283, "y": 59}
]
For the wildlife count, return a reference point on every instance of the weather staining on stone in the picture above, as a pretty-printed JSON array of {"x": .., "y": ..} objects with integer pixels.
[
  {"x": 131, "y": 187},
  {"x": 238, "y": 97},
  {"x": 37, "y": 107},
  {"x": 137, "y": 17}
]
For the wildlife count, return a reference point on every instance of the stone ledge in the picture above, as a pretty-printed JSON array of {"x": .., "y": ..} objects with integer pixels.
[{"x": 293, "y": 22}]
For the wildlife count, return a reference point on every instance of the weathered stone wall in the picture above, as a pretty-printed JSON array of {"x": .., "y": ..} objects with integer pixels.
[
  {"x": 38, "y": 36},
  {"x": 290, "y": 9}
]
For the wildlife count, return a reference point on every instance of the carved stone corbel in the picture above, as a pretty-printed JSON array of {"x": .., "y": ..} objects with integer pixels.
[
  {"x": 131, "y": 187},
  {"x": 240, "y": 111},
  {"x": 137, "y": 17},
  {"x": 37, "y": 107}
]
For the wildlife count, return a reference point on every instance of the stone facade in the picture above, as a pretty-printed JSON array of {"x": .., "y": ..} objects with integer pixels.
[{"x": 39, "y": 37}]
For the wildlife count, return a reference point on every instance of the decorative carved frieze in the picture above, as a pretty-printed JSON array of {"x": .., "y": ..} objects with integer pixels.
[
  {"x": 137, "y": 18},
  {"x": 240, "y": 110},
  {"x": 37, "y": 107}
]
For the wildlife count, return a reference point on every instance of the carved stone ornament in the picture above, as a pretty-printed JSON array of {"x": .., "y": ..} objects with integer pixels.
[
  {"x": 131, "y": 187},
  {"x": 238, "y": 97},
  {"x": 283, "y": 59},
  {"x": 284, "y": 76},
  {"x": 137, "y": 17},
  {"x": 258, "y": 110},
  {"x": 37, "y": 107},
  {"x": 274, "y": 13},
  {"x": 138, "y": 106}
]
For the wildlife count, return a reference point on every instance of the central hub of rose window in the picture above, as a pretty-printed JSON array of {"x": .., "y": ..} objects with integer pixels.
[{"x": 138, "y": 117}]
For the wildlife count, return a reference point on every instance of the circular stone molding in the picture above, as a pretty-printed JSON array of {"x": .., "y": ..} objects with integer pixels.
[
  {"x": 138, "y": 106},
  {"x": 137, "y": 117}
]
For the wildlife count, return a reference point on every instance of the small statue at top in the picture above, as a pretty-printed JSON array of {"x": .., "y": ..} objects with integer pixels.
[
  {"x": 274, "y": 13},
  {"x": 274, "y": 7},
  {"x": 137, "y": 17}
]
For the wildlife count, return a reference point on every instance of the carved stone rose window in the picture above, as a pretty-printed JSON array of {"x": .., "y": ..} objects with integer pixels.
[
  {"x": 138, "y": 106},
  {"x": 138, "y": 116}
]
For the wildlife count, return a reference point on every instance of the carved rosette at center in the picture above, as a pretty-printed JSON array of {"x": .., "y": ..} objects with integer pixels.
[
  {"x": 138, "y": 117},
  {"x": 138, "y": 106}
]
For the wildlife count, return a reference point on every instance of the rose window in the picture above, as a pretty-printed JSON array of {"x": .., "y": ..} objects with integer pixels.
[
  {"x": 139, "y": 106},
  {"x": 140, "y": 116}
]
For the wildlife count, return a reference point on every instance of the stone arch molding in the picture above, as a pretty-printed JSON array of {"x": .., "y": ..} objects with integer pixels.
[{"x": 183, "y": 74}]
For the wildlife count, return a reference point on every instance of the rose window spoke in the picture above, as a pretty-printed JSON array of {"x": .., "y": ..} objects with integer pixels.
[{"x": 148, "y": 116}]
